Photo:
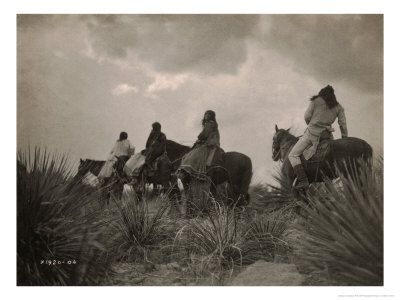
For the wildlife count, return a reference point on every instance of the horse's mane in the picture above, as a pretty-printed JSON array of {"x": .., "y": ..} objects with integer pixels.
[
  {"x": 174, "y": 146},
  {"x": 172, "y": 143},
  {"x": 175, "y": 150},
  {"x": 287, "y": 134}
]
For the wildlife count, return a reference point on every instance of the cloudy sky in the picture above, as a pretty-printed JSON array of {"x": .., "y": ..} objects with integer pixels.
[{"x": 81, "y": 79}]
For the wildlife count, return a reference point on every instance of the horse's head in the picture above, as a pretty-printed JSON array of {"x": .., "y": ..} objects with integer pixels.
[
  {"x": 89, "y": 165},
  {"x": 277, "y": 140}
]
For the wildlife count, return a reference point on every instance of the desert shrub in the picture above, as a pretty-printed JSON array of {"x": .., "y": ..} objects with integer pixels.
[
  {"x": 58, "y": 241},
  {"x": 263, "y": 236},
  {"x": 344, "y": 228},
  {"x": 269, "y": 198},
  {"x": 139, "y": 228}
]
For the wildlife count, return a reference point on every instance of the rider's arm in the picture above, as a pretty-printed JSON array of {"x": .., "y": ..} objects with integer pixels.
[
  {"x": 163, "y": 139},
  {"x": 309, "y": 112},
  {"x": 342, "y": 121},
  {"x": 131, "y": 149},
  {"x": 113, "y": 149},
  {"x": 149, "y": 140}
]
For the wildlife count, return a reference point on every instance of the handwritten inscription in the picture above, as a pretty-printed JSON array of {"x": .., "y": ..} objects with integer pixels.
[{"x": 57, "y": 262}]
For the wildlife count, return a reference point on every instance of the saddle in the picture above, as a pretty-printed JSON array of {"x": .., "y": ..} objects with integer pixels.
[
  {"x": 154, "y": 165},
  {"x": 322, "y": 152},
  {"x": 215, "y": 158}
]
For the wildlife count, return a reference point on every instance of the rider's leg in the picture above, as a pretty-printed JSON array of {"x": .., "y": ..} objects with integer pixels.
[{"x": 295, "y": 161}]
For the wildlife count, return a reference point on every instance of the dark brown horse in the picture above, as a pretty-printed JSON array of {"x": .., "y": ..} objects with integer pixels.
[
  {"x": 235, "y": 169},
  {"x": 344, "y": 154}
]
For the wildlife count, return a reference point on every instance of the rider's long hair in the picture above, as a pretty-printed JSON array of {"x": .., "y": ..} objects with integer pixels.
[
  {"x": 212, "y": 113},
  {"x": 328, "y": 94}
]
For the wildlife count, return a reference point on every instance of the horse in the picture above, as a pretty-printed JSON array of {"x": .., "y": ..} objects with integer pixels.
[
  {"x": 345, "y": 155},
  {"x": 163, "y": 175},
  {"x": 110, "y": 185},
  {"x": 236, "y": 169},
  {"x": 89, "y": 165}
]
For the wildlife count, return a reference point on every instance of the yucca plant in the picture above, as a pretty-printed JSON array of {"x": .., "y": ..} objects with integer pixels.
[
  {"x": 344, "y": 228},
  {"x": 269, "y": 198},
  {"x": 58, "y": 243},
  {"x": 263, "y": 236},
  {"x": 210, "y": 243},
  {"x": 217, "y": 234},
  {"x": 140, "y": 228}
]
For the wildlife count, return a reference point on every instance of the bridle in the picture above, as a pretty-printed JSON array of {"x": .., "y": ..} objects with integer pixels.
[{"x": 286, "y": 145}]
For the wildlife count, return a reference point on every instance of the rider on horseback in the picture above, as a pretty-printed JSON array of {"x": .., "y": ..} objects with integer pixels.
[
  {"x": 319, "y": 116},
  {"x": 121, "y": 151},
  {"x": 155, "y": 145},
  {"x": 209, "y": 136},
  {"x": 203, "y": 151}
]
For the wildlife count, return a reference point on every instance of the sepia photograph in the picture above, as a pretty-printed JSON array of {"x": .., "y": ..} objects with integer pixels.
[{"x": 201, "y": 150}]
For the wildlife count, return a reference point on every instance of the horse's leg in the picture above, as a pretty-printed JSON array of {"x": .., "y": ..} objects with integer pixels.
[
  {"x": 174, "y": 198},
  {"x": 142, "y": 195},
  {"x": 118, "y": 190},
  {"x": 105, "y": 191},
  {"x": 164, "y": 175},
  {"x": 187, "y": 202}
]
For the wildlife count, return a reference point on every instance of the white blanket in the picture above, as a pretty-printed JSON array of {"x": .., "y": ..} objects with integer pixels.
[{"x": 134, "y": 164}]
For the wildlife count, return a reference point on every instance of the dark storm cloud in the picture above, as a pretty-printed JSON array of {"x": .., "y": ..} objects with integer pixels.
[
  {"x": 208, "y": 44},
  {"x": 338, "y": 48}
]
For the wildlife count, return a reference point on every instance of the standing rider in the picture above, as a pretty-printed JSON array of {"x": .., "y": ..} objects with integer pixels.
[{"x": 319, "y": 116}]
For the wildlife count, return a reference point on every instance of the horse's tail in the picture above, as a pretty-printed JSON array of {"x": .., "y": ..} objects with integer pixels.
[{"x": 245, "y": 182}]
